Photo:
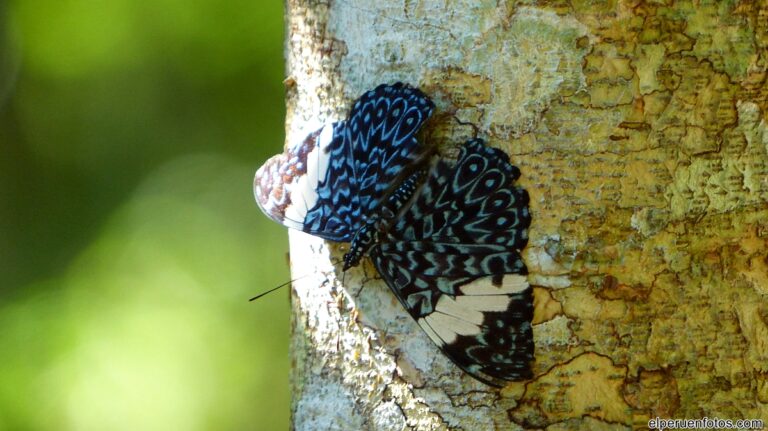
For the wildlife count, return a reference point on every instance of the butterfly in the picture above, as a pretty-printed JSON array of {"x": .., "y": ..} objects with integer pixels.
[{"x": 444, "y": 235}]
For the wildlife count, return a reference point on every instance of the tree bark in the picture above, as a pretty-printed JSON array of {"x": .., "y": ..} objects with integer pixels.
[{"x": 640, "y": 131}]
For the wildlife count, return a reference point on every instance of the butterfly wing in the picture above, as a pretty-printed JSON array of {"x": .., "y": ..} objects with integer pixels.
[
  {"x": 484, "y": 326},
  {"x": 474, "y": 201},
  {"x": 453, "y": 261},
  {"x": 326, "y": 184}
]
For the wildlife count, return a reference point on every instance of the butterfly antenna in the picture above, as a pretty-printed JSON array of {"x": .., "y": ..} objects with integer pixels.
[
  {"x": 333, "y": 262},
  {"x": 275, "y": 288}
]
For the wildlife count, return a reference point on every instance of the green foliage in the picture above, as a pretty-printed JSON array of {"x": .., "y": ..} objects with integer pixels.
[{"x": 129, "y": 238}]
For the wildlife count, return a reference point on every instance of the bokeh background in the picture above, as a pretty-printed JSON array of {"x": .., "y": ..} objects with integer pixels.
[{"x": 129, "y": 239}]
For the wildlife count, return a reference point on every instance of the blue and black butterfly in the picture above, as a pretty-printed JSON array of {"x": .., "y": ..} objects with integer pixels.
[{"x": 445, "y": 236}]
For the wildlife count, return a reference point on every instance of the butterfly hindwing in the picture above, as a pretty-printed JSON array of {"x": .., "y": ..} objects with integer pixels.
[
  {"x": 453, "y": 261},
  {"x": 500, "y": 345},
  {"x": 452, "y": 264},
  {"x": 474, "y": 201},
  {"x": 472, "y": 302}
]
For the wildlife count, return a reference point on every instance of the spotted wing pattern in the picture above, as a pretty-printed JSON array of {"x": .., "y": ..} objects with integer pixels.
[
  {"x": 330, "y": 182},
  {"x": 453, "y": 261},
  {"x": 449, "y": 249}
]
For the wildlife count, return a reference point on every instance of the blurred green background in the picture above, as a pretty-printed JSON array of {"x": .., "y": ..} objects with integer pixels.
[{"x": 129, "y": 239}]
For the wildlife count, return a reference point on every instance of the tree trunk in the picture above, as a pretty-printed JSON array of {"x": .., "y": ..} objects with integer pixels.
[{"x": 640, "y": 131}]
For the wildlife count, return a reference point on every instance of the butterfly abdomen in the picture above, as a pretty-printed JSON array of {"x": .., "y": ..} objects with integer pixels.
[{"x": 380, "y": 222}]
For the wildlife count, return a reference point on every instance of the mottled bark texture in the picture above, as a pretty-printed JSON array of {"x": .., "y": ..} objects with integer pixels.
[{"x": 640, "y": 130}]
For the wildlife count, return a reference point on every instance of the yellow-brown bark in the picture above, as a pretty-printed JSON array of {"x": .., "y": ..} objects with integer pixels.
[{"x": 640, "y": 131}]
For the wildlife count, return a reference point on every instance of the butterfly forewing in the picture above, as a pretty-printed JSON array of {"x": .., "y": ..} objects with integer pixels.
[
  {"x": 328, "y": 183},
  {"x": 382, "y": 149}
]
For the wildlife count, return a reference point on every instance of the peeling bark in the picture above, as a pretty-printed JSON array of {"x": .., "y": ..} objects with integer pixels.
[{"x": 640, "y": 131}]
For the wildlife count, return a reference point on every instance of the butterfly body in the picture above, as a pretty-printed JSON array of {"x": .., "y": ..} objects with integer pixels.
[
  {"x": 369, "y": 233},
  {"x": 444, "y": 235}
]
